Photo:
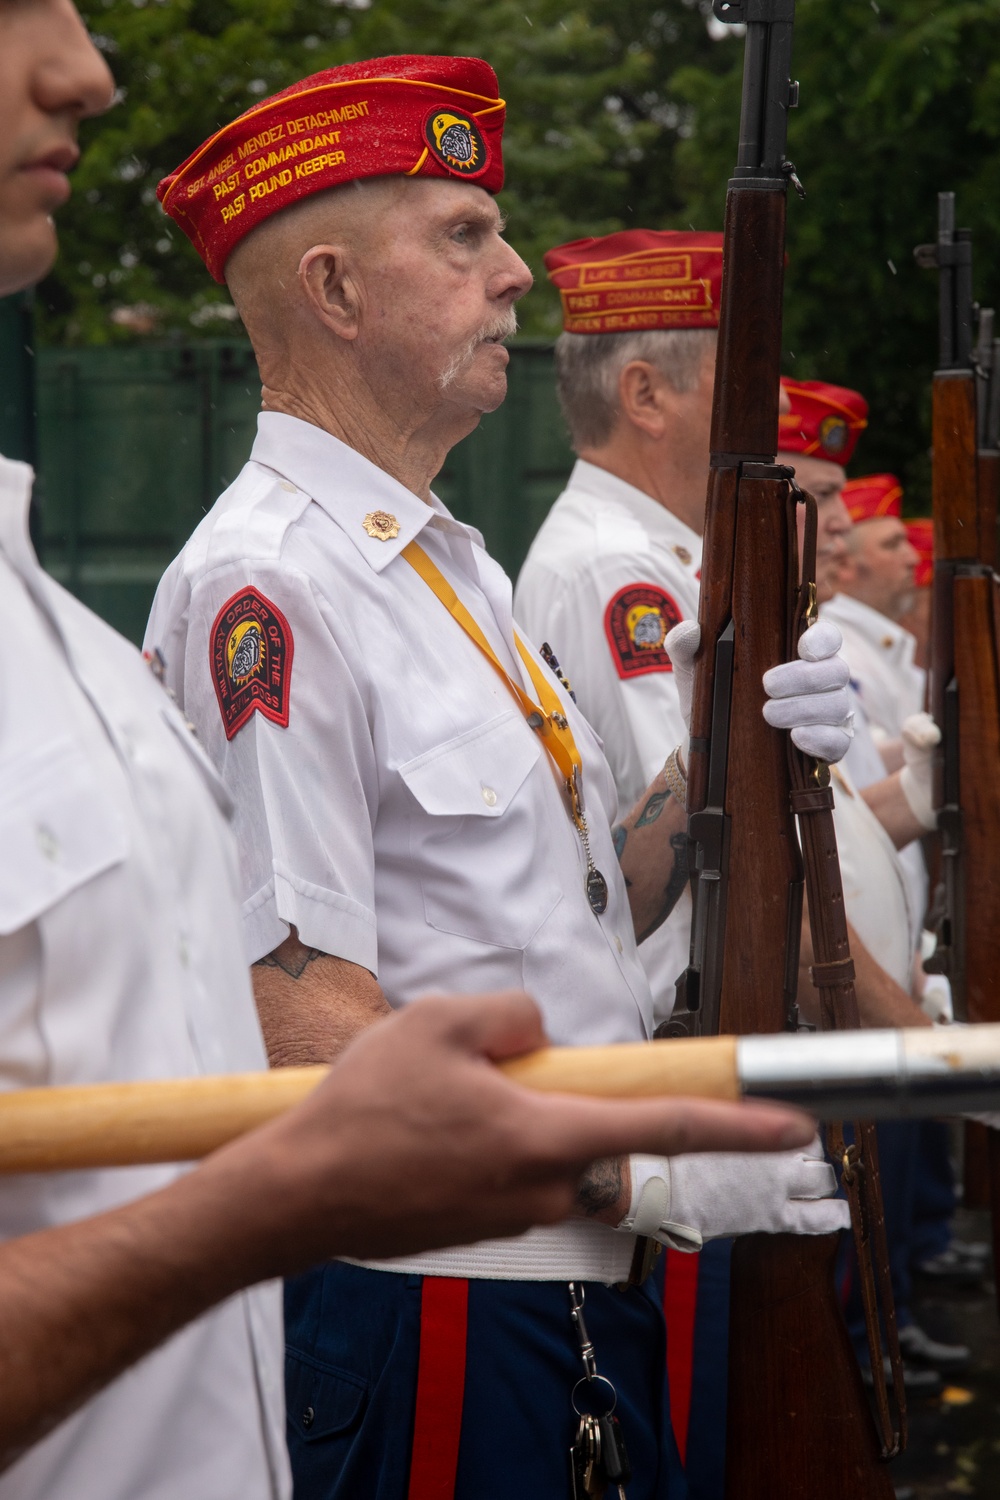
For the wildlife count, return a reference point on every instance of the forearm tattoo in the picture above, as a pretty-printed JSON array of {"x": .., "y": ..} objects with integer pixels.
[
  {"x": 653, "y": 808},
  {"x": 618, "y": 838},
  {"x": 676, "y": 882},
  {"x": 293, "y": 964},
  {"x": 601, "y": 1186}
]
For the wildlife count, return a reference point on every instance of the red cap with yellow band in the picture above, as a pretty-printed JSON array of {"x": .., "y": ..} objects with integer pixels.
[
  {"x": 873, "y": 496},
  {"x": 638, "y": 279},
  {"x": 823, "y": 421},
  {"x": 920, "y": 535},
  {"x": 408, "y": 116}
]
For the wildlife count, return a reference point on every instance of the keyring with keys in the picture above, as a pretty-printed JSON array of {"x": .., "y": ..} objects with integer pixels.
[{"x": 598, "y": 1458}]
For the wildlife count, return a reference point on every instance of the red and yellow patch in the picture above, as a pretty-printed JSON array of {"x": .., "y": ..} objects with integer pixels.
[
  {"x": 636, "y": 623},
  {"x": 250, "y": 652},
  {"x": 457, "y": 142}
]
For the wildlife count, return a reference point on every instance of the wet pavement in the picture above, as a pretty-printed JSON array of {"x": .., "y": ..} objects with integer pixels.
[{"x": 954, "y": 1446}]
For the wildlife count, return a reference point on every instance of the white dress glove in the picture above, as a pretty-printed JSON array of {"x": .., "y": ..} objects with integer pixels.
[
  {"x": 920, "y": 738},
  {"x": 808, "y": 696},
  {"x": 681, "y": 646},
  {"x": 686, "y": 1200}
]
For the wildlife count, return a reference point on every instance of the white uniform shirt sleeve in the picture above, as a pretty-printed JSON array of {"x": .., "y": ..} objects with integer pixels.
[
  {"x": 638, "y": 716},
  {"x": 306, "y": 794}
]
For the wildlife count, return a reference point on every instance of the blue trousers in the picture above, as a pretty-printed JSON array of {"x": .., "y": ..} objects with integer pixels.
[
  {"x": 353, "y": 1350},
  {"x": 935, "y": 1199}
]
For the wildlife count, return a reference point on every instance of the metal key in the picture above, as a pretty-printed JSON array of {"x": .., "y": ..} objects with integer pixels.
[
  {"x": 599, "y": 1458},
  {"x": 585, "y": 1460}
]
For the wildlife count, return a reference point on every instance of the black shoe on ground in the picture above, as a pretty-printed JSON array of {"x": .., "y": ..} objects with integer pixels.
[
  {"x": 918, "y": 1346},
  {"x": 918, "y": 1381},
  {"x": 961, "y": 1264}
]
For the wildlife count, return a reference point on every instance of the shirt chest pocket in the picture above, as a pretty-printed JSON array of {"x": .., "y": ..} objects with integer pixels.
[
  {"x": 478, "y": 836},
  {"x": 59, "y": 828}
]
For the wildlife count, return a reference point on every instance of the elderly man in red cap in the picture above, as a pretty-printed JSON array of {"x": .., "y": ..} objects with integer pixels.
[
  {"x": 818, "y": 433},
  {"x": 615, "y": 565},
  {"x": 617, "y": 561},
  {"x": 885, "y": 883},
  {"x": 916, "y": 618},
  {"x": 121, "y": 957},
  {"x": 876, "y": 587},
  {"x": 888, "y": 564},
  {"x": 419, "y": 803}
]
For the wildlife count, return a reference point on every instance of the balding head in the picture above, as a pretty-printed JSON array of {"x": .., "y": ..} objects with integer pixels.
[{"x": 262, "y": 273}]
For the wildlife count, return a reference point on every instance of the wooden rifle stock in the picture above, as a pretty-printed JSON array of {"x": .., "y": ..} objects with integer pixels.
[
  {"x": 965, "y": 660},
  {"x": 799, "y": 1424}
]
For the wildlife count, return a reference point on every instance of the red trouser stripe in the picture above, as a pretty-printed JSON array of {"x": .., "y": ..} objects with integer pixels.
[
  {"x": 437, "y": 1423},
  {"x": 680, "y": 1303}
]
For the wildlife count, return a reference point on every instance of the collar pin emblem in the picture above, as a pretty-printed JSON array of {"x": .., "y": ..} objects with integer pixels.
[{"x": 381, "y": 525}]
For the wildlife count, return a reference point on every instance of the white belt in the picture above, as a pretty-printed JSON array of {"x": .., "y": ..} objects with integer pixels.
[{"x": 575, "y": 1251}]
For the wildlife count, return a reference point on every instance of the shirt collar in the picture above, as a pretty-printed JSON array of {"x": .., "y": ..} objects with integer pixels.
[
  {"x": 871, "y": 623},
  {"x": 656, "y": 518},
  {"x": 16, "y": 480},
  {"x": 348, "y": 486}
]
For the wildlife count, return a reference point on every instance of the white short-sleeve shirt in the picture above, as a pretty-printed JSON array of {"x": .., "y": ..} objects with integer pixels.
[
  {"x": 406, "y": 817},
  {"x": 880, "y": 654},
  {"x": 609, "y": 573},
  {"x": 392, "y": 801},
  {"x": 888, "y": 687},
  {"x": 877, "y": 892},
  {"x": 121, "y": 958}
]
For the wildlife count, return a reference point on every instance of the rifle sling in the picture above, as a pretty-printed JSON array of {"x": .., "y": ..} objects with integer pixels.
[
  {"x": 830, "y": 976},
  {"x": 833, "y": 975}
]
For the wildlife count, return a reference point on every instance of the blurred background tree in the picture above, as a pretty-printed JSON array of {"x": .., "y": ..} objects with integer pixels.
[
  {"x": 591, "y": 129},
  {"x": 620, "y": 112},
  {"x": 900, "y": 100}
]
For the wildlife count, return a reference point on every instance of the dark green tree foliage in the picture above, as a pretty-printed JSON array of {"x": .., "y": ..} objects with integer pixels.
[
  {"x": 590, "y": 136},
  {"x": 621, "y": 112},
  {"x": 900, "y": 99}
]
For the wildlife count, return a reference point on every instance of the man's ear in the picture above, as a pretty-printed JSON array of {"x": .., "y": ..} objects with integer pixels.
[
  {"x": 645, "y": 397},
  {"x": 331, "y": 290}
]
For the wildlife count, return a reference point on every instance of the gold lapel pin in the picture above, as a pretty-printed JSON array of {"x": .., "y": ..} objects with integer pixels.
[{"x": 381, "y": 525}]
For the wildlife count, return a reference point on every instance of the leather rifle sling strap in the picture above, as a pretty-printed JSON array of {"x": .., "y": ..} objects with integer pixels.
[{"x": 833, "y": 975}]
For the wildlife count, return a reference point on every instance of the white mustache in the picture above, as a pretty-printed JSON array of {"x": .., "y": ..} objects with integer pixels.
[{"x": 503, "y": 326}]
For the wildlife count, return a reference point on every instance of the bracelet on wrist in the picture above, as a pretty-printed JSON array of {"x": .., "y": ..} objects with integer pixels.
[{"x": 675, "y": 778}]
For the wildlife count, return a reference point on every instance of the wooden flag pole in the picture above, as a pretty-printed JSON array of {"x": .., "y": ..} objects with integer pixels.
[{"x": 182, "y": 1119}]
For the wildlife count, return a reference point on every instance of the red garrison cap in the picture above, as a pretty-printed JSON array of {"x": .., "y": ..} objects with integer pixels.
[
  {"x": 874, "y": 496},
  {"x": 410, "y": 116},
  {"x": 920, "y": 535},
  {"x": 825, "y": 421},
  {"x": 640, "y": 278}
]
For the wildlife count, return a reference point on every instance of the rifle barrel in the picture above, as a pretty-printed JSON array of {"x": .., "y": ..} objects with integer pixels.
[{"x": 881, "y": 1074}]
